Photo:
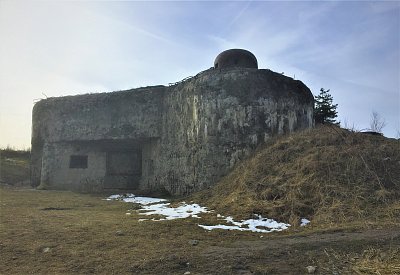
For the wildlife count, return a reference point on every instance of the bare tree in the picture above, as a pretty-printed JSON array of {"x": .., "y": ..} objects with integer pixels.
[{"x": 377, "y": 123}]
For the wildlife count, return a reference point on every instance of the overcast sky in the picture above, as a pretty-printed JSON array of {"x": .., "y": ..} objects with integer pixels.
[{"x": 55, "y": 48}]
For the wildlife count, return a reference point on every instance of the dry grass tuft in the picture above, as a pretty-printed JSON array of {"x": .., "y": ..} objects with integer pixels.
[{"x": 371, "y": 260}]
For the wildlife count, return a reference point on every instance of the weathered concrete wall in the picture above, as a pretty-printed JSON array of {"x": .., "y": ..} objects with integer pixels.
[
  {"x": 151, "y": 165},
  {"x": 186, "y": 136},
  {"x": 216, "y": 119},
  {"x": 120, "y": 115},
  {"x": 55, "y": 171},
  {"x": 126, "y": 115}
]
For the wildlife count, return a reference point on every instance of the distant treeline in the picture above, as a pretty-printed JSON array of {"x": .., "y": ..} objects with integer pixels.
[{"x": 10, "y": 152}]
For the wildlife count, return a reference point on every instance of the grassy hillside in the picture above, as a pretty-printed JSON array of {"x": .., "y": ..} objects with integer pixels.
[
  {"x": 326, "y": 174},
  {"x": 14, "y": 166}
]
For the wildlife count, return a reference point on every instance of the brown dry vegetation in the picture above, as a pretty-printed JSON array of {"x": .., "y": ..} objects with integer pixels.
[
  {"x": 60, "y": 232},
  {"x": 14, "y": 166},
  {"x": 346, "y": 183},
  {"x": 327, "y": 174}
]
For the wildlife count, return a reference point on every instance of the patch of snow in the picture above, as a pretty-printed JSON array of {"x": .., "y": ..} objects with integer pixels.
[
  {"x": 170, "y": 213},
  {"x": 143, "y": 200},
  {"x": 114, "y": 197},
  {"x": 221, "y": 226},
  {"x": 132, "y": 198},
  {"x": 260, "y": 225},
  {"x": 304, "y": 222},
  {"x": 157, "y": 206}
]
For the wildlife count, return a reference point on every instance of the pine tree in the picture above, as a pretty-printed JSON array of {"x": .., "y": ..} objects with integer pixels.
[{"x": 325, "y": 110}]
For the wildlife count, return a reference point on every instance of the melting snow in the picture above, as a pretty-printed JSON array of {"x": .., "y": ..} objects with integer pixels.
[
  {"x": 143, "y": 200},
  {"x": 181, "y": 212},
  {"x": 115, "y": 197},
  {"x": 157, "y": 206},
  {"x": 304, "y": 222},
  {"x": 260, "y": 224},
  {"x": 132, "y": 198}
]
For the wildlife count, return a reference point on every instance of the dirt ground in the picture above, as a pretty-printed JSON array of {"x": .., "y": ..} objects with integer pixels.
[{"x": 55, "y": 232}]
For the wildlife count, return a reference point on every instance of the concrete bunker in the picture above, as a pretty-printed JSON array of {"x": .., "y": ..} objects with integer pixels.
[{"x": 180, "y": 139}]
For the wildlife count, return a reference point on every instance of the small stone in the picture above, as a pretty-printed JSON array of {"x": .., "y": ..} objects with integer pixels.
[
  {"x": 186, "y": 273},
  {"x": 46, "y": 249},
  {"x": 193, "y": 242},
  {"x": 311, "y": 269},
  {"x": 119, "y": 233}
]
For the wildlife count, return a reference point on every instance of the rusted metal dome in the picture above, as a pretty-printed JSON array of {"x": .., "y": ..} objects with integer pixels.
[{"x": 235, "y": 58}]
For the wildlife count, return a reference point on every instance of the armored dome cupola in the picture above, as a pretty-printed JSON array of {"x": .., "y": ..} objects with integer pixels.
[{"x": 235, "y": 58}]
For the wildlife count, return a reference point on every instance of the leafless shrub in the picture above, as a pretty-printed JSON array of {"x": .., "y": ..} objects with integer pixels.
[
  {"x": 377, "y": 123},
  {"x": 350, "y": 126}
]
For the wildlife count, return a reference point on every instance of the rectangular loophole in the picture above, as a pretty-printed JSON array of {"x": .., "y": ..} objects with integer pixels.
[{"x": 78, "y": 162}]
